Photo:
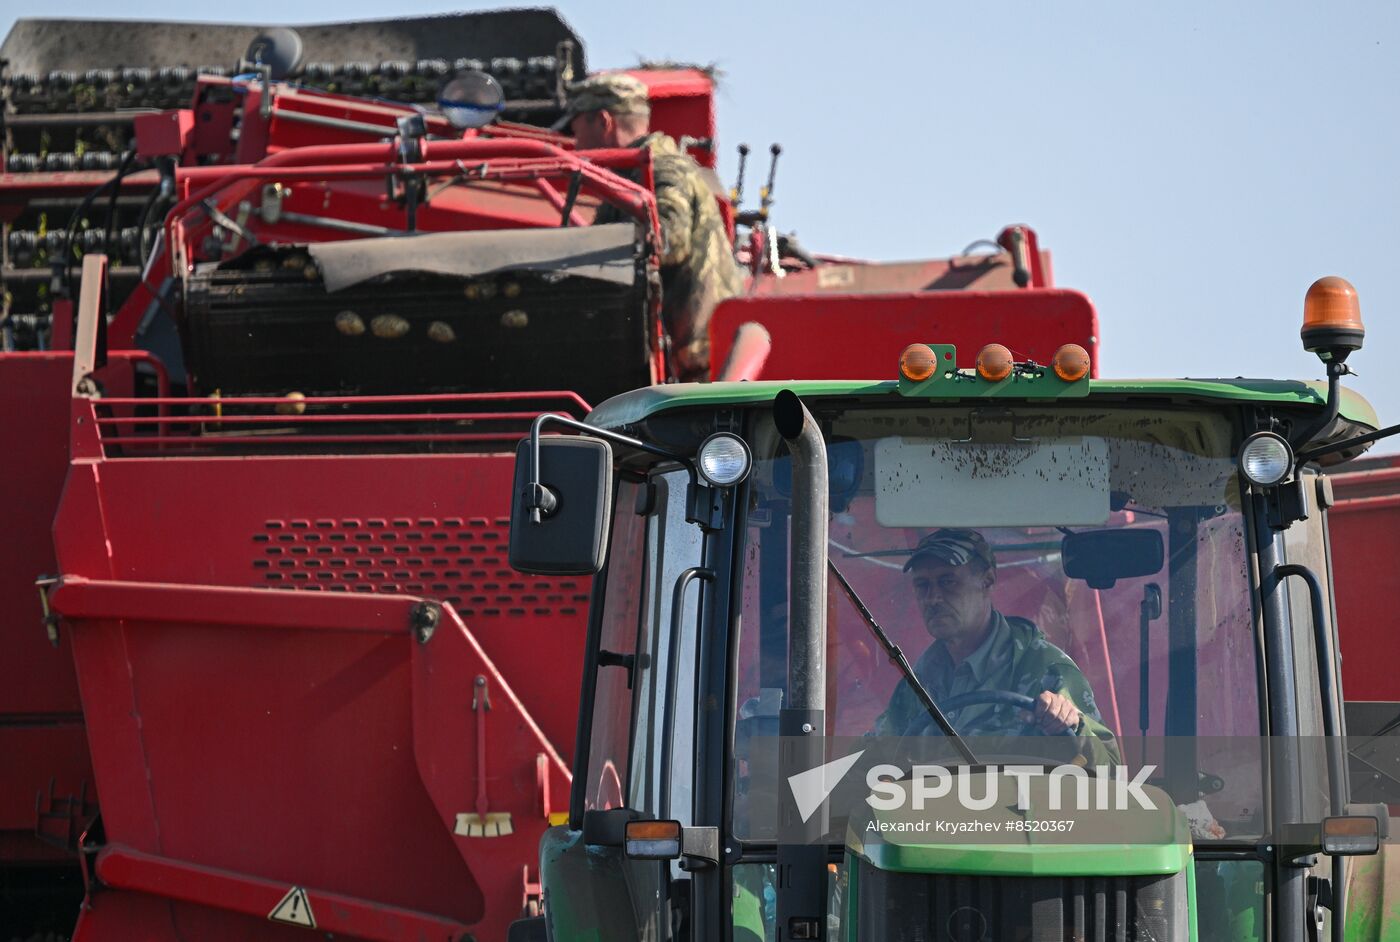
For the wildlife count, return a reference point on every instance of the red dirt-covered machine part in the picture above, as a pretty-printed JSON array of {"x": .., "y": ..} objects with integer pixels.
[
  {"x": 1033, "y": 323},
  {"x": 785, "y": 328},
  {"x": 374, "y": 753},
  {"x": 390, "y": 807},
  {"x": 50, "y": 791},
  {"x": 315, "y": 693}
]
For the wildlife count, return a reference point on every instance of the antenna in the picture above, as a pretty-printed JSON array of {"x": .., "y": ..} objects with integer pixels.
[
  {"x": 736, "y": 194},
  {"x": 765, "y": 195}
]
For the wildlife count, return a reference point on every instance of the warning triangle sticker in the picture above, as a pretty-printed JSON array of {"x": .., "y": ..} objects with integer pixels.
[{"x": 294, "y": 910}]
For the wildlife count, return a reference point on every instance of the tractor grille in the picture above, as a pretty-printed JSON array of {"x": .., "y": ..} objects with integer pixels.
[{"x": 946, "y": 908}]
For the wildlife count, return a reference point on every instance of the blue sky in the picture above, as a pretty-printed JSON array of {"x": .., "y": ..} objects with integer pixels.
[{"x": 1192, "y": 167}]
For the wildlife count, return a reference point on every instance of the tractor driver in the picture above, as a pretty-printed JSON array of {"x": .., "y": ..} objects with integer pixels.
[
  {"x": 697, "y": 260},
  {"x": 977, "y": 648}
]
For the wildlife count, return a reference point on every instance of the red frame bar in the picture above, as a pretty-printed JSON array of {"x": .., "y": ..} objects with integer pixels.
[
  {"x": 94, "y": 432},
  {"x": 315, "y": 418},
  {"x": 361, "y": 400},
  {"x": 135, "y": 602},
  {"x": 518, "y": 160},
  {"x": 202, "y": 431},
  {"x": 18, "y": 189},
  {"x": 215, "y": 438}
]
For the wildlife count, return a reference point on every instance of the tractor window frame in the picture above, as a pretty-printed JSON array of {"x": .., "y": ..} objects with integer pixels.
[
  {"x": 749, "y": 848},
  {"x": 647, "y": 602},
  {"x": 623, "y": 511},
  {"x": 671, "y": 538}
]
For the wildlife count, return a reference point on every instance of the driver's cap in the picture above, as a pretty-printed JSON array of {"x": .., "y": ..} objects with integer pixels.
[{"x": 955, "y": 546}]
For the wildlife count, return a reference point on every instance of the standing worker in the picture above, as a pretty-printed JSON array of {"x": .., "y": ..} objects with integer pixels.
[{"x": 697, "y": 260}]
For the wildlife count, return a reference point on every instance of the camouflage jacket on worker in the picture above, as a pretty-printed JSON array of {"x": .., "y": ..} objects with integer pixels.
[
  {"x": 697, "y": 260},
  {"x": 1017, "y": 658}
]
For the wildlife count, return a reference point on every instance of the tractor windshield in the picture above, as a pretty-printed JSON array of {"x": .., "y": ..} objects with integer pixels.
[{"x": 1096, "y": 554}]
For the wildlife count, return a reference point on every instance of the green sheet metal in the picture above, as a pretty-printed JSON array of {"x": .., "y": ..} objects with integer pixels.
[
  {"x": 1064, "y": 860},
  {"x": 1042, "y": 833},
  {"x": 1373, "y": 897}
]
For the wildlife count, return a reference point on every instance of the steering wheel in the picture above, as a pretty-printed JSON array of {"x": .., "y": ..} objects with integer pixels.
[{"x": 976, "y": 698}]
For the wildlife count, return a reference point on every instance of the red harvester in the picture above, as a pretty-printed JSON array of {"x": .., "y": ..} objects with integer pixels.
[{"x": 283, "y": 675}]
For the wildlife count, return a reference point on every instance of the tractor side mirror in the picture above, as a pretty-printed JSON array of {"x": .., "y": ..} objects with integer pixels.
[
  {"x": 559, "y": 517},
  {"x": 1102, "y": 557}
]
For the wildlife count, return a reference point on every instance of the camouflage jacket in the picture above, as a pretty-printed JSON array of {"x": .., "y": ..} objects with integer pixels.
[
  {"x": 697, "y": 260},
  {"x": 1016, "y": 658}
]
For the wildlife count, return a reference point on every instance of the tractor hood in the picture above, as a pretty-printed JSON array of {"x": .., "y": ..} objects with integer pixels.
[{"x": 1092, "y": 875}]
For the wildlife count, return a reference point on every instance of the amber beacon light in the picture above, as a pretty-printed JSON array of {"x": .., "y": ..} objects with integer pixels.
[
  {"x": 1332, "y": 325},
  {"x": 917, "y": 362},
  {"x": 995, "y": 363},
  {"x": 1070, "y": 363}
]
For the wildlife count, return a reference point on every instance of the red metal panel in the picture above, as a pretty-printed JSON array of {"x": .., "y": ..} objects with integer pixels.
[
  {"x": 34, "y": 678},
  {"x": 165, "y": 133},
  {"x": 41, "y": 733},
  {"x": 282, "y": 734},
  {"x": 123, "y": 868},
  {"x": 682, "y": 105},
  {"x": 284, "y": 752},
  {"x": 18, "y": 190},
  {"x": 292, "y": 736},
  {"x": 1365, "y": 531},
  {"x": 436, "y": 526},
  {"x": 812, "y": 336},
  {"x": 457, "y": 695}
]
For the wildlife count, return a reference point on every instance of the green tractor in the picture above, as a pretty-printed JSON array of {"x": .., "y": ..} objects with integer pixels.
[{"x": 883, "y": 660}]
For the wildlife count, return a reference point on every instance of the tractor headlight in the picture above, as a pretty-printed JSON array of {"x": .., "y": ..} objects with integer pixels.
[
  {"x": 724, "y": 460},
  {"x": 1266, "y": 459}
]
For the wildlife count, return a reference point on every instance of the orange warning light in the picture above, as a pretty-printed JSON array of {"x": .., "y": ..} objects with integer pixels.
[
  {"x": 653, "y": 830},
  {"x": 994, "y": 363},
  {"x": 917, "y": 362},
  {"x": 1332, "y": 324},
  {"x": 1070, "y": 362}
]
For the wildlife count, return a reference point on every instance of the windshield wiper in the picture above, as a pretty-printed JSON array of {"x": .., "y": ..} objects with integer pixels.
[{"x": 897, "y": 656}]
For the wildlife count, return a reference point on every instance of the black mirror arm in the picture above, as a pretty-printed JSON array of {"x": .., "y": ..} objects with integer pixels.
[
  {"x": 541, "y": 500},
  {"x": 1350, "y": 443},
  {"x": 1335, "y": 372}
]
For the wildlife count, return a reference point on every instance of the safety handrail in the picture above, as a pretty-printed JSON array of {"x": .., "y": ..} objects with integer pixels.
[
  {"x": 531, "y": 395},
  {"x": 634, "y": 198},
  {"x": 204, "y": 424}
]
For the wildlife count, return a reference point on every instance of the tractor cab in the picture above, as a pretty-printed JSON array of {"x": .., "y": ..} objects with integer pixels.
[{"x": 836, "y": 625}]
